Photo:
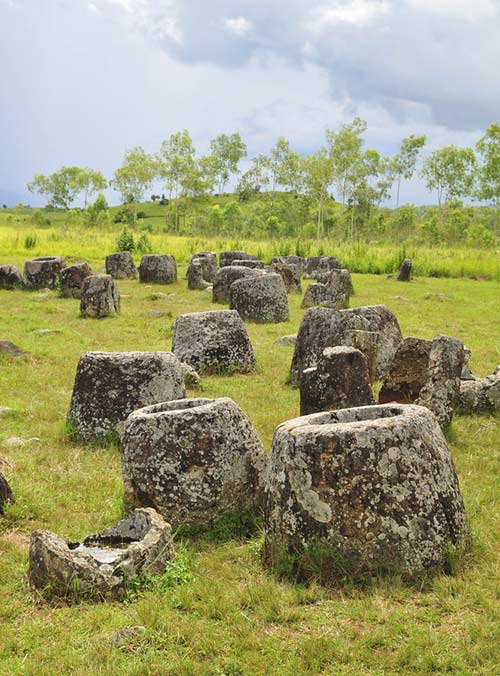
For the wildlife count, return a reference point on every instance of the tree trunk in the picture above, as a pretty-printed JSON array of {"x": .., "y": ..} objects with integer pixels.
[{"x": 399, "y": 186}]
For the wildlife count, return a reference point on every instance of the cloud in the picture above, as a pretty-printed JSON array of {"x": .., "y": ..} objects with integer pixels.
[
  {"x": 356, "y": 12},
  {"x": 469, "y": 10},
  {"x": 238, "y": 25}
]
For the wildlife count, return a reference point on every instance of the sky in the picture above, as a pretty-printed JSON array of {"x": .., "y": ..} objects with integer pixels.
[{"x": 81, "y": 81}]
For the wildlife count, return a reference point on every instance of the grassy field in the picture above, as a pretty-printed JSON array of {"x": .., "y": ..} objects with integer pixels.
[{"x": 217, "y": 611}]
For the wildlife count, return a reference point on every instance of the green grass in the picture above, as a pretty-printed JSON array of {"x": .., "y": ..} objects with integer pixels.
[{"x": 218, "y": 611}]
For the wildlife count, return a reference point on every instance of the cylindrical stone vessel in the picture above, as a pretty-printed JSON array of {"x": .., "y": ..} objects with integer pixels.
[
  {"x": 100, "y": 296},
  {"x": 261, "y": 298},
  {"x": 110, "y": 385},
  {"x": 194, "y": 459},
  {"x": 10, "y": 277},
  {"x": 158, "y": 268},
  {"x": 121, "y": 265},
  {"x": 372, "y": 489},
  {"x": 72, "y": 279},
  {"x": 43, "y": 273}
]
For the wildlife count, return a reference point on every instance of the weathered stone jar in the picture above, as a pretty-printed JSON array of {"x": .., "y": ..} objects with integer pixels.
[
  {"x": 225, "y": 277},
  {"x": 262, "y": 298},
  {"x": 373, "y": 487},
  {"x": 100, "y": 296},
  {"x": 213, "y": 342},
  {"x": 158, "y": 268},
  {"x": 121, "y": 265},
  {"x": 10, "y": 277},
  {"x": 110, "y": 385},
  {"x": 103, "y": 565},
  {"x": 42, "y": 273},
  {"x": 194, "y": 460},
  {"x": 72, "y": 279}
]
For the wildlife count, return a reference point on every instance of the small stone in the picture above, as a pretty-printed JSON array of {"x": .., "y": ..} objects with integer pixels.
[
  {"x": 437, "y": 296},
  {"x": 158, "y": 269},
  {"x": 481, "y": 396},
  {"x": 121, "y": 265},
  {"x": 6, "y": 411},
  {"x": 262, "y": 298},
  {"x": 404, "y": 274},
  {"x": 45, "y": 332},
  {"x": 156, "y": 313},
  {"x": 8, "y": 348},
  {"x": 402, "y": 299},
  {"x": 100, "y": 296},
  {"x": 192, "y": 379},
  {"x": 286, "y": 340},
  {"x": 17, "y": 441},
  {"x": 126, "y": 634}
]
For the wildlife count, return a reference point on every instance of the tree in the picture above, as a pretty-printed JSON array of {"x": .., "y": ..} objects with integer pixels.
[
  {"x": 318, "y": 174},
  {"x": 90, "y": 182},
  {"x": 450, "y": 171},
  {"x": 61, "y": 188},
  {"x": 177, "y": 166},
  {"x": 345, "y": 152},
  {"x": 405, "y": 161},
  {"x": 488, "y": 148},
  {"x": 134, "y": 178},
  {"x": 227, "y": 152}
]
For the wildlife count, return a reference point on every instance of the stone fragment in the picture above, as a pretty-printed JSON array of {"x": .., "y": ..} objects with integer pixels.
[
  {"x": 6, "y": 411},
  {"x": 192, "y": 379},
  {"x": 213, "y": 342},
  {"x": 334, "y": 293},
  {"x": 127, "y": 634},
  {"x": 227, "y": 257},
  {"x": 103, "y": 565},
  {"x": 319, "y": 295},
  {"x": 290, "y": 274},
  {"x": 193, "y": 460},
  {"x": 72, "y": 278},
  {"x": 408, "y": 372},
  {"x": 158, "y": 269},
  {"x": 100, "y": 296},
  {"x": 367, "y": 343},
  {"x": 110, "y": 385},
  {"x": 340, "y": 380},
  {"x": 440, "y": 393},
  {"x": 317, "y": 266},
  {"x": 325, "y": 327},
  {"x": 286, "y": 340},
  {"x": 293, "y": 260},
  {"x": 43, "y": 273},
  {"x": 261, "y": 298},
  {"x": 208, "y": 262},
  {"x": 10, "y": 277},
  {"x": 6, "y": 494},
  {"x": 480, "y": 396},
  {"x": 121, "y": 265},
  {"x": 225, "y": 277},
  {"x": 195, "y": 278},
  {"x": 8, "y": 348},
  {"x": 466, "y": 372},
  {"x": 372, "y": 490},
  {"x": 404, "y": 274}
]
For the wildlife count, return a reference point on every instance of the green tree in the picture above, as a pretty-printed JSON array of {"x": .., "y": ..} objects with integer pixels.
[
  {"x": 318, "y": 174},
  {"x": 227, "y": 152},
  {"x": 405, "y": 161},
  {"x": 488, "y": 148},
  {"x": 90, "y": 181},
  {"x": 450, "y": 171},
  {"x": 178, "y": 167},
  {"x": 134, "y": 178},
  {"x": 61, "y": 188}
]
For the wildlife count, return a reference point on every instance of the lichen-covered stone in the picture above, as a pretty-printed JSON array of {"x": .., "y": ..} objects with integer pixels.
[
  {"x": 340, "y": 380},
  {"x": 319, "y": 295},
  {"x": 374, "y": 487},
  {"x": 158, "y": 269},
  {"x": 325, "y": 327},
  {"x": 72, "y": 278},
  {"x": 213, "y": 342},
  {"x": 225, "y": 277},
  {"x": 261, "y": 298},
  {"x": 208, "y": 262},
  {"x": 480, "y": 396},
  {"x": 227, "y": 257},
  {"x": 194, "y": 460},
  {"x": 316, "y": 267},
  {"x": 404, "y": 274},
  {"x": 192, "y": 379},
  {"x": 367, "y": 343},
  {"x": 6, "y": 494},
  {"x": 100, "y": 296},
  {"x": 440, "y": 393},
  {"x": 290, "y": 273},
  {"x": 43, "y": 273},
  {"x": 289, "y": 340},
  {"x": 10, "y": 277},
  {"x": 110, "y": 385},
  {"x": 293, "y": 260},
  {"x": 408, "y": 372},
  {"x": 121, "y": 265},
  {"x": 103, "y": 565},
  {"x": 195, "y": 279}
]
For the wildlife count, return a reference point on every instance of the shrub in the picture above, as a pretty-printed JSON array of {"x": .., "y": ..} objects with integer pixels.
[
  {"x": 38, "y": 218},
  {"x": 30, "y": 242},
  {"x": 478, "y": 235},
  {"x": 144, "y": 244},
  {"x": 125, "y": 240}
]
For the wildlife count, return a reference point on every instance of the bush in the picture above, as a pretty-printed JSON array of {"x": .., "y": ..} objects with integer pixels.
[
  {"x": 38, "y": 218},
  {"x": 30, "y": 242},
  {"x": 144, "y": 244},
  {"x": 478, "y": 235},
  {"x": 125, "y": 240}
]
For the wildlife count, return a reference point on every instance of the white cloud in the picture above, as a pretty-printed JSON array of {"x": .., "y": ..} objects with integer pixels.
[
  {"x": 238, "y": 25},
  {"x": 356, "y": 12},
  {"x": 93, "y": 8},
  {"x": 470, "y": 10}
]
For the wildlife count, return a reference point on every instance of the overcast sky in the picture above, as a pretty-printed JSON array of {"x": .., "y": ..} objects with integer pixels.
[{"x": 81, "y": 81}]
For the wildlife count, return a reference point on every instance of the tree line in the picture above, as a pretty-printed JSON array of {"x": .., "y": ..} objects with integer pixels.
[{"x": 343, "y": 171}]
